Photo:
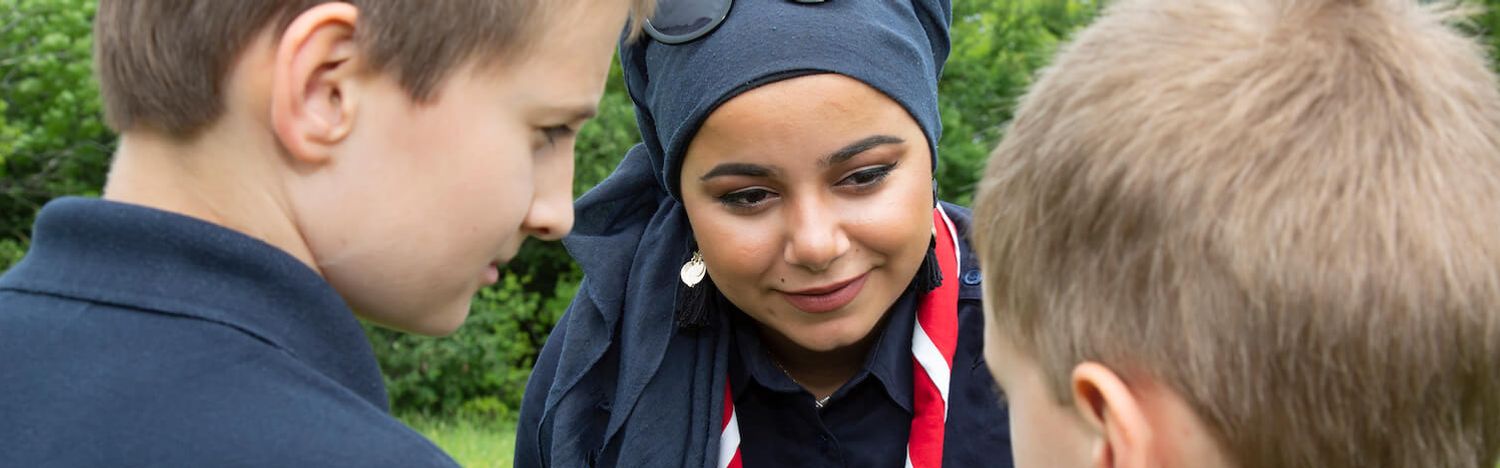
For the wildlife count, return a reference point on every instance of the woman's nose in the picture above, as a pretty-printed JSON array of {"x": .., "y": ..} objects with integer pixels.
[{"x": 816, "y": 238}]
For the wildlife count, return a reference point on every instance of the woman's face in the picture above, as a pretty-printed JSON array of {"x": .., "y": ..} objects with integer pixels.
[{"x": 811, "y": 201}]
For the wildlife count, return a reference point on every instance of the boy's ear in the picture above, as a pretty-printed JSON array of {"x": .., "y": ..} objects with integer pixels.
[
  {"x": 1116, "y": 416},
  {"x": 312, "y": 106}
]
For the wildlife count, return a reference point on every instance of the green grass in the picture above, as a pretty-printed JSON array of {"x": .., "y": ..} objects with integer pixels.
[{"x": 474, "y": 443}]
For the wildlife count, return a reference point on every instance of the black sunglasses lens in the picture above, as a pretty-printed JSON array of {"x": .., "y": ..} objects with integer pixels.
[{"x": 684, "y": 18}]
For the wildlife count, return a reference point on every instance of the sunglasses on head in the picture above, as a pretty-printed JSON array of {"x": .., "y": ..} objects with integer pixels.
[{"x": 682, "y": 21}]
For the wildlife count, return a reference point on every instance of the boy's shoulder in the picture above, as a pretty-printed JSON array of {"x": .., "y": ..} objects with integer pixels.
[
  {"x": 95, "y": 385},
  {"x": 134, "y": 337}
]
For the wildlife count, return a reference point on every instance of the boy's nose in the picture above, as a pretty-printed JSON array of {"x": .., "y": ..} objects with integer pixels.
[
  {"x": 551, "y": 214},
  {"x": 550, "y": 218},
  {"x": 551, "y": 225}
]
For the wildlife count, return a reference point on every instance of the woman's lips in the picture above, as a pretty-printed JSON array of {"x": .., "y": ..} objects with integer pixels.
[{"x": 826, "y": 298}]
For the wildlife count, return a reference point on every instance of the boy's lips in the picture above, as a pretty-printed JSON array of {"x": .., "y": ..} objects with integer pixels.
[
  {"x": 827, "y": 298},
  {"x": 492, "y": 273}
]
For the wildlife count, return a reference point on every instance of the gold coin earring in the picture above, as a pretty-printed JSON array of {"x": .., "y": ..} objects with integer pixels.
[
  {"x": 695, "y": 294},
  {"x": 694, "y": 270}
]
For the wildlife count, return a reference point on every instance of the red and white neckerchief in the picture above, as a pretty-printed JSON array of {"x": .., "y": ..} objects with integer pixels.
[{"x": 934, "y": 340}]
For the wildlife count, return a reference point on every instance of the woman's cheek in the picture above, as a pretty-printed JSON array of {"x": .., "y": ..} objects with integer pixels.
[
  {"x": 895, "y": 220},
  {"x": 735, "y": 249}
]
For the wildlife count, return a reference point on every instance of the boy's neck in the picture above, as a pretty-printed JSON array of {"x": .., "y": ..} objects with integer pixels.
[{"x": 222, "y": 176}]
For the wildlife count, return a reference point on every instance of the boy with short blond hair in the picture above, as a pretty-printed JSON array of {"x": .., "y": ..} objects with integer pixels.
[
  {"x": 283, "y": 167},
  {"x": 1253, "y": 233}
]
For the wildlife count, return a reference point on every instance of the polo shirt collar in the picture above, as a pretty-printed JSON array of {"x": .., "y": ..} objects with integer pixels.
[{"x": 160, "y": 262}]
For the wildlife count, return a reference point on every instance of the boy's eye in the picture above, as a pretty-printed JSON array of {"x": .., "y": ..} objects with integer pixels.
[
  {"x": 557, "y": 132},
  {"x": 868, "y": 177},
  {"x": 747, "y": 199}
]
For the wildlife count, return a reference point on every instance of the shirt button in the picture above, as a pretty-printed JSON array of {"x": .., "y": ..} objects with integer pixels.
[{"x": 972, "y": 277}]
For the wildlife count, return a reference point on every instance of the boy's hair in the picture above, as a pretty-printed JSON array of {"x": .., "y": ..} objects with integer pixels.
[
  {"x": 162, "y": 63},
  {"x": 1285, "y": 210}
]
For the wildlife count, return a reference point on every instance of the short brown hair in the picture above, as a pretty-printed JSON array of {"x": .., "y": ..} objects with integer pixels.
[
  {"x": 163, "y": 62},
  {"x": 1285, "y": 210}
]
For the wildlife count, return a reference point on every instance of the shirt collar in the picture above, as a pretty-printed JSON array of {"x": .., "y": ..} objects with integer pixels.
[
  {"x": 753, "y": 362},
  {"x": 890, "y": 360},
  {"x": 137, "y": 257}
]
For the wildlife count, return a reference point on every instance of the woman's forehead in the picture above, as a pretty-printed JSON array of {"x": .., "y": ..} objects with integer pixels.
[{"x": 805, "y": 110}]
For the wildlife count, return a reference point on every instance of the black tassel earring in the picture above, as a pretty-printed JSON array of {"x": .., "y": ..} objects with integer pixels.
[
  {"x": 695, "y": 293},
  {"x": 929, "y": 274}
]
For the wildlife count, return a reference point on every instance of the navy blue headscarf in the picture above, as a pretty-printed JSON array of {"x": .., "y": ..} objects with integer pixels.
[{"x": 618, "y": 350}]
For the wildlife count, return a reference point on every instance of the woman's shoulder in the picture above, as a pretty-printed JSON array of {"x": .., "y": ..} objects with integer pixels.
[
  {"x": 958, "y": 213},
  {"x": 970, "y": 277}
]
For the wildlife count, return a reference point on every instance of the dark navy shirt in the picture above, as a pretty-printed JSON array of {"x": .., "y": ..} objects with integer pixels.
[
  {"x": 867, "y": 422},
  {"x": 136, "y": 337}
]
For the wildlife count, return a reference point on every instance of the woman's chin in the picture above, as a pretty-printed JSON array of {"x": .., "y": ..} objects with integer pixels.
[{"x": 833, "y": 335}]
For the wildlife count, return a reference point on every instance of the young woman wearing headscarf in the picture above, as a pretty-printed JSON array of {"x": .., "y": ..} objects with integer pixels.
[{"x": 770, "y": 280}]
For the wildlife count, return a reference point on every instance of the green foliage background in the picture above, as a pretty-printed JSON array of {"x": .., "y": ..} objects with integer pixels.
[
  {"x": 52, "y": 139},
  {"x": 53, "y": 143}
]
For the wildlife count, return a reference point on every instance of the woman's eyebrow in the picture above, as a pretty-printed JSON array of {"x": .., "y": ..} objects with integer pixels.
[
  {"x": 738, "y": 169},
  {"x": 843, "y": 154},
  {"x": 865, "y": 144}
]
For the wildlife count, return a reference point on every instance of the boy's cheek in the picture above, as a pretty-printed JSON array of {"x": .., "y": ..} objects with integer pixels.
[
  {"x": 1044, "y": 432},
  {"x": 993, "y": 355},
  {"x": 1043, "y": 435}
]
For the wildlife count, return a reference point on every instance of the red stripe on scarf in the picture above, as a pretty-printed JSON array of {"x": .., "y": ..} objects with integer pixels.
[{"x": 938, "y": 315}]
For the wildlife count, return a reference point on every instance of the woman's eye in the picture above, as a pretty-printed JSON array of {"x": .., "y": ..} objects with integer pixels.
[
  {"x": 748, "y": 198},
  {"x": 869, "y": 176}
]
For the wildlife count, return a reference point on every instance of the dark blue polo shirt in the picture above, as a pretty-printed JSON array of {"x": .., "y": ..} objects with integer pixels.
[
  {"x": 867, "y": 422},
  {"x": 136, "y": 337}
]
